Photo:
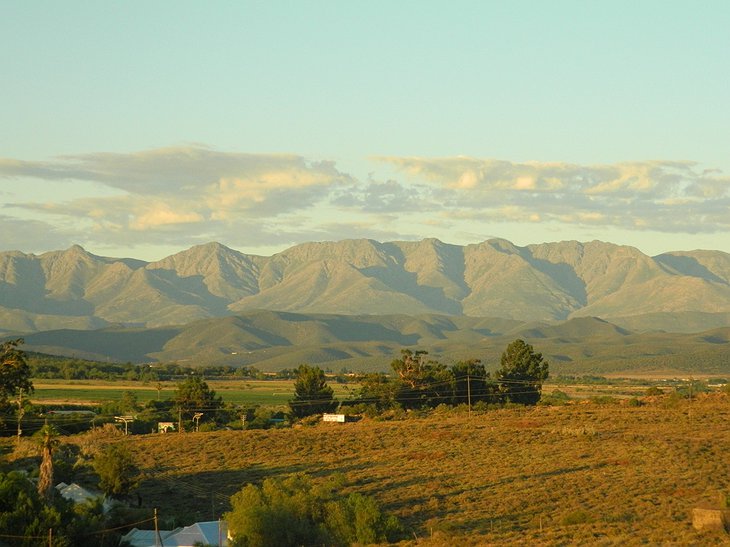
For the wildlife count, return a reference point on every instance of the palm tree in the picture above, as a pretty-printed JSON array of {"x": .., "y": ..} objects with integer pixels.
[{"x": 48, "y": 443}]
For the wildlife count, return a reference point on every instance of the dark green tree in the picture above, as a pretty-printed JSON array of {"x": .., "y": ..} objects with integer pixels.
[
  {"x": 194, "y": 394},
  {"x": 118, "y": 474},
  {"x": 378, "y": 389},
  {"x": 472, "y": 383},
  {"x": 312, "y": 395},
  {"x": 521, "y": 373},
  {"x": 14, "y": 371}
]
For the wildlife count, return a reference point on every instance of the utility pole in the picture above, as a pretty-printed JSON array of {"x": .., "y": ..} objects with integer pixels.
[
  {"x": 21, "y": 412},
  {"x": 179, "y": 420},
  {"x": 468, "y": 389},
  {"x": 158, "y": 538},
  {"x": 689, "y": 409}
]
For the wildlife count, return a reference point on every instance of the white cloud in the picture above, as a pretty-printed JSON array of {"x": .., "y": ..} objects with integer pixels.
[
  {"x": 188, "y": 195},
  {"x": 666, "y": 196},
  {"x": 181, "y": 186}
]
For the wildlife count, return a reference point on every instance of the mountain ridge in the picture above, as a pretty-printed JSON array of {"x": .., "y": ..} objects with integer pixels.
[{"x": 550, "y": 282}]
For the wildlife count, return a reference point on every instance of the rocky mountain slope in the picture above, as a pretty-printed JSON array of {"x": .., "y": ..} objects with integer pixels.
[{"x": 682, "y": 291}]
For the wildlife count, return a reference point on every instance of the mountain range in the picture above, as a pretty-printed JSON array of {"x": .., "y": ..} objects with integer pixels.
[
  {"x": 676, "y": 291},
  {"x": 591, "y": 306}
]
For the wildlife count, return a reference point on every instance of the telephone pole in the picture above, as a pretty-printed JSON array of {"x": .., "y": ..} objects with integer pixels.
[
  {"x": 21, "y": 412},
  {"x": 468, "y": 389},
  {"x": 158, "y": 538}
]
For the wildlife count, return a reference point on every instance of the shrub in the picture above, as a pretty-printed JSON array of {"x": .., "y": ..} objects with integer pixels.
[
  {"x": 556, "y": 398},
  {"x": 577, "y": 517},
  {"x": 116, "y": 469},
  {"x": 294, "y": 511}
]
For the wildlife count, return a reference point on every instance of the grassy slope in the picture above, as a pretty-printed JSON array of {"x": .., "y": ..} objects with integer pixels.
[{"x": 504, "y": 476}]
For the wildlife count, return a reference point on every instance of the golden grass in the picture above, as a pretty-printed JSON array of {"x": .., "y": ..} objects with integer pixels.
[{"x": 576, "y": 474}]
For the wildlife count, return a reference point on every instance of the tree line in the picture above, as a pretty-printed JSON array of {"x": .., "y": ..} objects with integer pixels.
[
  {"x": 418, "y": 381},
  {"x": 64, "y": 368}
]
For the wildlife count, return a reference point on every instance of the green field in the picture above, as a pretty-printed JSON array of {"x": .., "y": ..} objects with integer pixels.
[{"x": 241, "y": 392}]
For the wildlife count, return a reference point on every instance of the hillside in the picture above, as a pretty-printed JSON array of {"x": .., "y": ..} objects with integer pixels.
[
  {"x": 545, "y": 282},
  {"x": 275, "y": 340},
  {"x": 583, "y": 474}
]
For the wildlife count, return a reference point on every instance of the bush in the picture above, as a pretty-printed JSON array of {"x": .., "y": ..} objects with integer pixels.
[
  {"x": 556, "y": 398},
  {"x": 294, "y": 511},
  {"x": 577, "y": 517},
  {"x": 116, "y": 469}
]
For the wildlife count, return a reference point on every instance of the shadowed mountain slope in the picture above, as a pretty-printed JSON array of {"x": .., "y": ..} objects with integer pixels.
[{"x": 273, "y": 340}]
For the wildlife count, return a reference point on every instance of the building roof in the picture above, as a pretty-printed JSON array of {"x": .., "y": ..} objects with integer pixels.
[
  {"x": 145, "y": 538},
  {"x": 76, "y": 493},
  {"x": 200, "y": 533},
  {"x": 213, "y": 532}
]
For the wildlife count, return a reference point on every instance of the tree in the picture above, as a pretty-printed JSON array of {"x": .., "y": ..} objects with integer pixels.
[
  {"x": 118, "y": 474},
  {"x": 521, "y": 373},
  {"x": 312, "y": 395},
  {"x": 424, "y": 382},
  {"x": 14, "y": 371},
  {"x": 471, "y": 382},
  {"x": 411, "y": 367},
  {"x": 378, "y": 389},
  {"x": 128, "y": 402},
  {"x": 47, "y": 441},
  {"x": 25, "y": 516},
  {"x": 194, "y": 394}
]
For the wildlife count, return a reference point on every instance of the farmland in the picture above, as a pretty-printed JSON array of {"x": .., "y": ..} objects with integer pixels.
[
  {"x": 276, "y": 393},
  {"x": 91, "y": 392}
]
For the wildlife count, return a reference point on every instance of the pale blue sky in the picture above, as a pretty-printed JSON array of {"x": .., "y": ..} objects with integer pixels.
[{"x": 142, "y": 128}]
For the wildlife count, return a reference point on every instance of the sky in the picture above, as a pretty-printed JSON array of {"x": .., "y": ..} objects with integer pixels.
[{"x": 138, "y": 129}]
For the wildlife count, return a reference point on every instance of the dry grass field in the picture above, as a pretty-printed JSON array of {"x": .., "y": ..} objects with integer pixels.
[{"x": 570, "y": 475}]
